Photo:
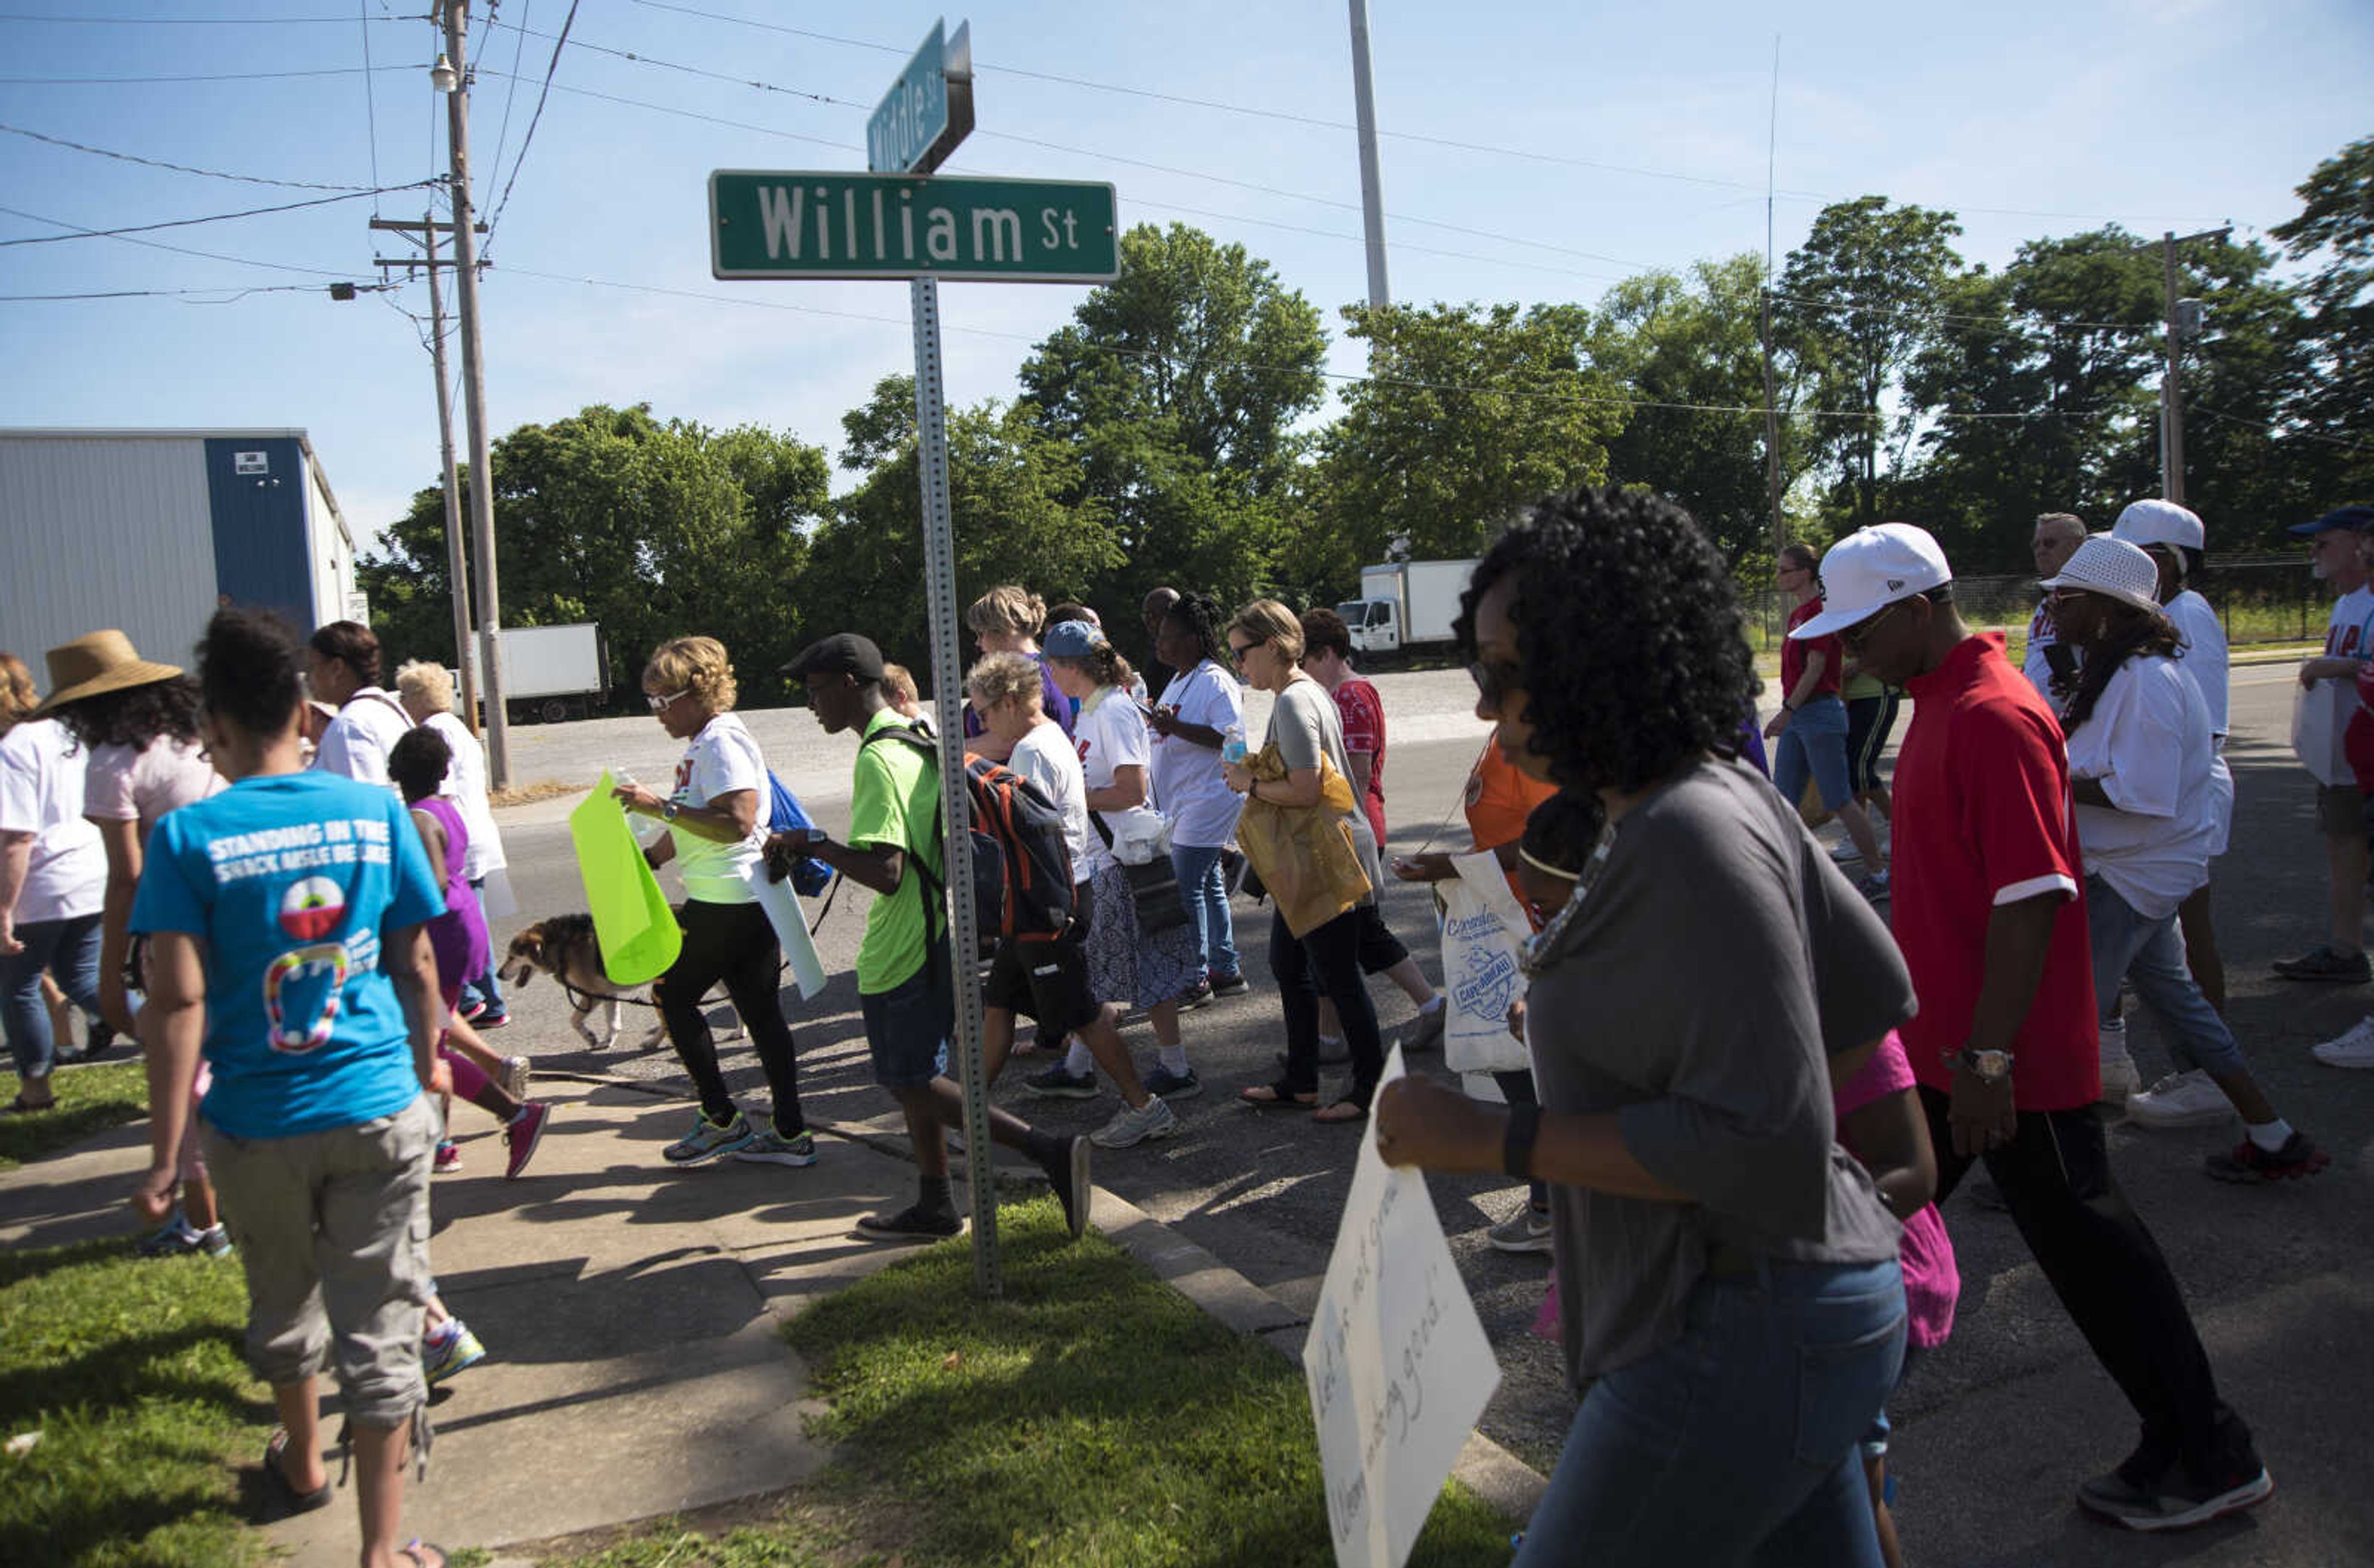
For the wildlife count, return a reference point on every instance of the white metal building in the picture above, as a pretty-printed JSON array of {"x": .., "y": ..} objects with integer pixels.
[{"x": 150, "y": 531}]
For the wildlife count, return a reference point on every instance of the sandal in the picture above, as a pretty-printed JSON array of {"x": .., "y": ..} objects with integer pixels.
[
  {"x": 1270, "y": 1096},
  {"x": 412, "y": 1549},
  {"x": 284, "y": 1491},
  {"x": 1341, "y": 1111}
]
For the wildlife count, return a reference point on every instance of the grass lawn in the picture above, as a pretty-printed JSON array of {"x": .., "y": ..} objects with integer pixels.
[
  {"x": 129, "y": 1372},
  {"x": 90, "y": 1099},
  {"x": 1093, "y": 1416}
]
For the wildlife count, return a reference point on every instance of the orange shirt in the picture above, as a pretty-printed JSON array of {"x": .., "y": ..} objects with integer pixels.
[{"x": 1499, "y": 799}]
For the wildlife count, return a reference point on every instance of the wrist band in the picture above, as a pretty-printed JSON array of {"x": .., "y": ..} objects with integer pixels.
[{"x": 1517, "y": 1146}]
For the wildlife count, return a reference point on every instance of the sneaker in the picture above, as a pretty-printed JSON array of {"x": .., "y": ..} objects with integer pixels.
[
  {"x": 1054, "y": 1082},
  {"x": 1426, "y": 1035},
  {"x": 1527, "y": 1230},
  {"x": 172, "y": 1239},
  {"x": 1228, "y": 984},
  {"x": 1130, "y": 1128},
  {"x": 523, "y": 1135},
  {"x": 1845, "y": 854},
  {"x": 707, "y": 1141},
  {"x": 1067, "y": 1173},
  {"x": 458, "y": 1352},
  {"x": 2325, "y": 964},
  {"x": 517, "y": 1071},
  {"x": 1195, "y": 996},
  {"x": 771, "y": 1148},
  {"x": 2354, "y": 1049},
  {"x": 2121, "y": 1078},
  {"x": 1170, "y": 1085},
  {"x": 487, "y": 1018},
  {"x": 2175, "y": 1500},
  {"x": 913, "y": 1222},
  {"x": 473, "y": 1010},
  {"x": 215, "y": 1241},
  {"x": 449, "y": 1158},
  {"x": 2182, "y": 1099},
  {"x": 1872, "y": 885},
  {"x": 2253, "y": 1166}
]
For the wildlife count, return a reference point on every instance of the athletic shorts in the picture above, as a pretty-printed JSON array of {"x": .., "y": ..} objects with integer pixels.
[
  {"x": 1045, "y": 980},
  {"x": 2341, "y": 810}
]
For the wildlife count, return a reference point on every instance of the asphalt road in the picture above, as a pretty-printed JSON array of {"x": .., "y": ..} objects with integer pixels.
[{"x": 1995, "y": 1430}]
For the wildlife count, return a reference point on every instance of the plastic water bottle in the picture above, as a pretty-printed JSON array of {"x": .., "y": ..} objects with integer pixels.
[{"x": 1232, "y": 745}]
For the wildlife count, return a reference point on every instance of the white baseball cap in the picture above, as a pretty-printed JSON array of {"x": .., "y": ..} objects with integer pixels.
[
  {"x": 1872, "y": 569},
  {"x": 2114, "y": 568},
  {"x": 2160, "y": 522}
]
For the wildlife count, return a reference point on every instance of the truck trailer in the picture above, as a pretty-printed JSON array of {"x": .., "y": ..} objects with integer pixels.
[
  {"x": 1406, "y": 603},
  {"x": 550, "y": 673},
  {"x": 150, "y": 531}
]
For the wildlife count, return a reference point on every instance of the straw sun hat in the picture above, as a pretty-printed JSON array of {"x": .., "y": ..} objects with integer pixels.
[{"x": 97, "y": 663}]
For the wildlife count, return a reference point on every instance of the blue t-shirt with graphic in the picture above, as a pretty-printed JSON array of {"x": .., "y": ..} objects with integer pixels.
[{"x": 289, "y": 880}]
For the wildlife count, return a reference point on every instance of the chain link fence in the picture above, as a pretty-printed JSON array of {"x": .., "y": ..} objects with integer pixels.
[{"x": 2260, "y": 599}]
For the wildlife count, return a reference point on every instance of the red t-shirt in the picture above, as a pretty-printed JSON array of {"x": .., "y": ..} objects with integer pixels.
[
  {"x": 1362, "y": 712},
  {"x": 1793, "y": 654},
  {"x": 1983, "y": 817}
]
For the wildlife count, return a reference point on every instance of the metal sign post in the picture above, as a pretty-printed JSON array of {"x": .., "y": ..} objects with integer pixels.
[{"x": 956, "y": 805}]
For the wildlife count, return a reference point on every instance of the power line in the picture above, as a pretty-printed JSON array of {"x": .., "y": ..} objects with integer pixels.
[
  {"x": 185, "y": 168},
  {"x": 371, "y": 97},
  {"x": 694, "y": 115},
  {"x": 511, "y": 89},
  {"x": 533, "y": 121},
  {"x": 235, "y": 292},
  {"x": 214, "y": 217},
  {"x": 181, "y": 250},
  {"x": 195, "y": 21},
  {"x": 215, "y": 77}
]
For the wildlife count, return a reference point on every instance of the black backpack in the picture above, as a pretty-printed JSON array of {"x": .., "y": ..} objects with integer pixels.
[{"x": 1021, "y": 863}]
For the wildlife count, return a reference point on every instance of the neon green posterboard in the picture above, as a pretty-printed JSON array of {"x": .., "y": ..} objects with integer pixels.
[{"x": 637, "y": 929}]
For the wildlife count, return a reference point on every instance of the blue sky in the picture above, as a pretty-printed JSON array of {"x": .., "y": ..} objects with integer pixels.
[{"x": 1646, "y": 127}]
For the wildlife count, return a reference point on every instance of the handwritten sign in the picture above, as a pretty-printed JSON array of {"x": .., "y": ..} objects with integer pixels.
[{"x": 1396, "y": 1364}]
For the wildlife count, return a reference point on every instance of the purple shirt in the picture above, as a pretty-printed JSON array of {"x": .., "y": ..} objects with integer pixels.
[{"x": 458, "y": 936}]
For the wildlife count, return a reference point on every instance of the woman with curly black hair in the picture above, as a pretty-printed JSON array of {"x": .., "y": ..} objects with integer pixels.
[{"x": 1716, "y": 1250}]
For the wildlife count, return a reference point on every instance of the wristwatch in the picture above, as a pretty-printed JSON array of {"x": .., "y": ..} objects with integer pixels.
[
  {"x": 1989, "y": 1066},
  {"x": 667, "y": 810}
]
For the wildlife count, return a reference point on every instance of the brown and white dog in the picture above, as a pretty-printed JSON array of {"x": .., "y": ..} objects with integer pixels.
[{"x": 566, "y": 948}]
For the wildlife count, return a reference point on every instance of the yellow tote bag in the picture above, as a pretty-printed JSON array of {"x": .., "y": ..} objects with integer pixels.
[{"x": 632, "y": 921}]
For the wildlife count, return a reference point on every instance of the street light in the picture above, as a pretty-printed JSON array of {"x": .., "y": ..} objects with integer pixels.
[{"x": 443, "y": 76}]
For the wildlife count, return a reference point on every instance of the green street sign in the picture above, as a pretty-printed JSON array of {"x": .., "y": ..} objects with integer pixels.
[
  {"x": 831, "y": 224},
  {"x": 928, "y": 110}
]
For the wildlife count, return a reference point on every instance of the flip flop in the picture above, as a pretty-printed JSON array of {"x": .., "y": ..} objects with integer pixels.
[
  {"x": 414, "y": 1548},
  {"x": 1276, "y": 1096},
  {"x": 1341, "y": 1112},
  {"x": 284, "y": 1491}
]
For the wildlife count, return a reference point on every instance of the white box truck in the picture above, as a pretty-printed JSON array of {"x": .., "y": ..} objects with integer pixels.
[
  {"x": 1404, "y": 604},
  {"x": 551, "y": 673}
]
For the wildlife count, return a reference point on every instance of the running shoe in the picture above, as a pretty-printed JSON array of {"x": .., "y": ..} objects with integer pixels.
[
  {"x": 517, "y": 1071},
  {"x": 913, "y": 1222},
  {"x": 473, "y": 1010},
  {"x": 523, "y": 1135},
  {"x": 1195, "y": 996},
  {"x": 172, "y": 1239},
  {"x": 1130, "y": 1128},
  {"x": 215, "y": 1241},
  {"x": 449, "y": 1158},
  {"x": 2253, "y": 1166},
  {"x": 1230, "y": 985},
  {"x": 1067, "y": 1173},
  {"x": 457, "y": 1349},
  {"x": 2327, "y": 964},
  {"x": 707, "y": 1141},
  {"x": 1527, "y": 1230},
  {"x": 2182, "y": 1099},
  {"x": 1054, "y": 1082},
  {"x": 487, "y": 1018},
  {"x": 2177, "y": 1501},
  {"x": 2354, "y": 1049},
  {"x": 1172, "y": 1086},
  {"x": 771, "y": 1148}
]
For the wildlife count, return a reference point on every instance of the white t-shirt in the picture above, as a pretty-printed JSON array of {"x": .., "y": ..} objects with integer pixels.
[
  {"x": 2203, "y": 653},
  {"x": 1186, "y": 776},
  {"x": 1045, "y": 757},
  {"x": 123, "y": 785},
  {"x": 2345, "y": 631},
  {"x": 2148, "y": 744},
  {"x": 41, "y": 793},
  {"x": 357, "y": 740},
  {"x": 720, "y": 760},
  {"x": 1111, "y": 735},
  {"x": 465, "y": 786}
]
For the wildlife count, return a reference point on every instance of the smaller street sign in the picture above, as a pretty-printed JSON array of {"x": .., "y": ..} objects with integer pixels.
[
  {"x": 928, "y": 110},
  {"x": 834, "y": 224}
]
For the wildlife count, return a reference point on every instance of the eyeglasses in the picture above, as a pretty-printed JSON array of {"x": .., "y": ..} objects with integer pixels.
[
  {"x": 1493, "y": 681},
  {"x": 659, "y": 704},
  {"x": 1852, "y": 637}
]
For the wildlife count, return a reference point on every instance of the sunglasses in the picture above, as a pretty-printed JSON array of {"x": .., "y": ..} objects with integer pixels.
[
  {"x": 659, "y": 704},
  {"x": 1237, "y": 650},
  {"x": 1493, "y": 681}
]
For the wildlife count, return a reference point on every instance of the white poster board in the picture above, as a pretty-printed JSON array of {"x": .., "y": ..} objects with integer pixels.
[
  {"x": 1397, "y": 1364},
  {"x": 791, "y": 923}
]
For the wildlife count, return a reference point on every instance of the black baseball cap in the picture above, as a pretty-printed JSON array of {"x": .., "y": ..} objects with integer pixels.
[
  {"x": 843, "y": 653},
  {"x": 2359, "y": 518}
]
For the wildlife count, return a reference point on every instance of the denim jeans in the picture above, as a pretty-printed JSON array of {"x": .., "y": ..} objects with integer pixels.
[
  {"x": 2150, "y": 955},
  {"x": 1737, "y": 1443},
  {"x": 71, "y": 948},
  {"x": 1815, "y": 742},
  {"x": 1206, "y": 893}
]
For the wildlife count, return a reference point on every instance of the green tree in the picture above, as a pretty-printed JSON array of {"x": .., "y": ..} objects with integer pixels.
[
  {"x": 1468, "y": 413},
  {"x": 1011, "y": 492},
  {"x": 651, "y": 529},
  {"x": 1854, "y": 307},
  {"x": 2332, "y": 417},
  {"x": 1688, "y": 347}
]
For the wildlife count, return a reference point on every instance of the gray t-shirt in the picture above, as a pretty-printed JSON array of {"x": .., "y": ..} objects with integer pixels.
[
  {"x": 1713, "y": 968},
  {"x": 1304, "y": 725}
]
